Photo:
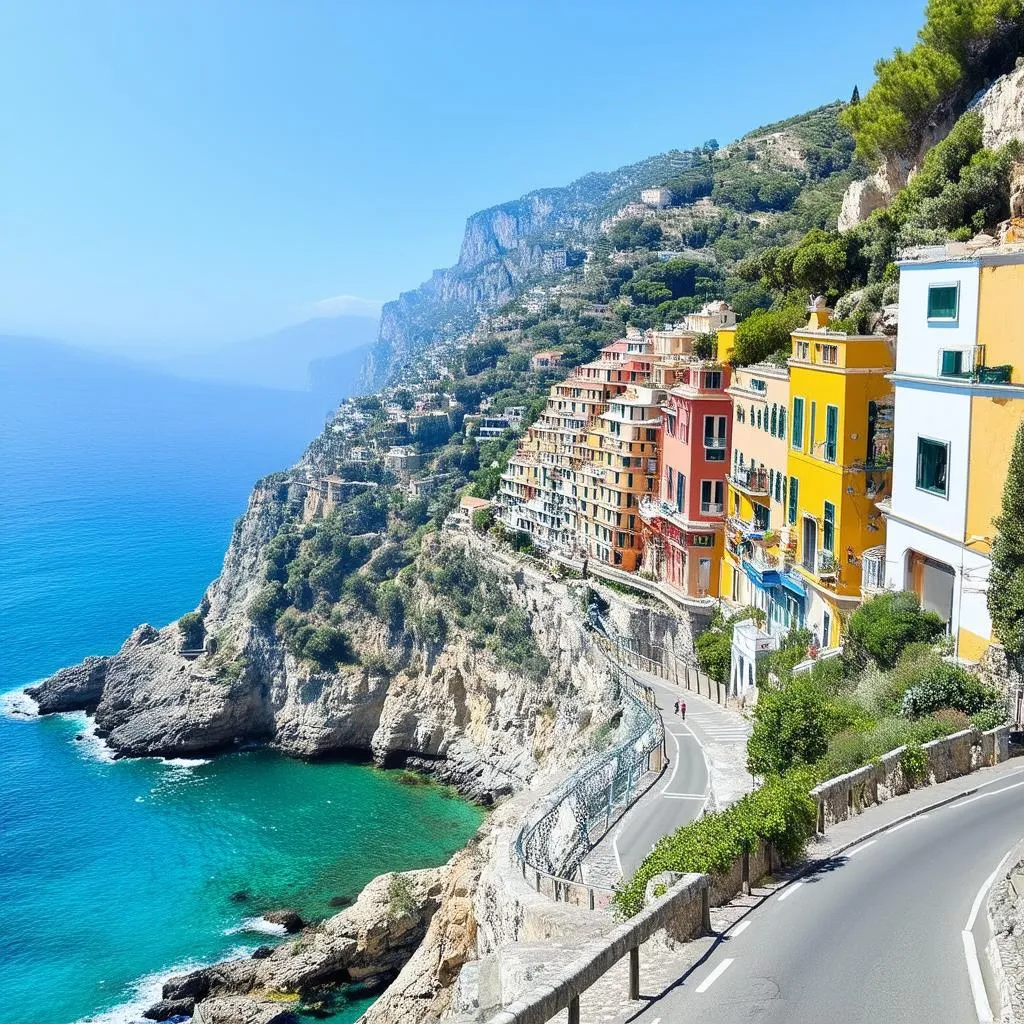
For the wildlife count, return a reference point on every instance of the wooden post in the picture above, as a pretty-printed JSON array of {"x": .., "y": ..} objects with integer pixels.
[
  {"x": 745, "y": 873},
  {"x": 574, "y": 1010},
  {"x": 634, "y": 973}
]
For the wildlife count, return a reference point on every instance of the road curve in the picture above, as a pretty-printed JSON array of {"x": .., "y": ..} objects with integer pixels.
[
  {"x": 875, "y": 935},
  {"x": 684, "y": 791}
]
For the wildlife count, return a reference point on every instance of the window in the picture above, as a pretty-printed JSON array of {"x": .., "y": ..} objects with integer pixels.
[
  {"x": 801, "y": 350},
  {"x": 782, "y": 422},
  {"x": 714, "y": 438},
  {"x": 798, "y": 423},
  {"x": 668, "y": 479},
  {"x": 711, "y": 497},
  {"x": 751, "y": 415},
  {"x": 794, "y": 490},
  {"x": 784, "y": 489},
  {"x": 828, "y": 529},
  {"x": 779, "y": 480},
  {"x": 758, "y": 418},
  {"x": 775, "y": 420},
  {"x": 680, "y": 491},
  {"x": 831, "y": 432},
  {"x": 951, "y": 363},
  {"x": 943, "y": 301},
  {"x": 932, "y": 463},
  {"x": 702, "y": 540},
  {"x": 810, "y": 430},
  {"x": 829, "y": 354},
  {"x": 739, "y": 413},
  {"x": 713, "y": 380}
]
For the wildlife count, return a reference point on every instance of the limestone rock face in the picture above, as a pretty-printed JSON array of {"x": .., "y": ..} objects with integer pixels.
[
  {"x": 78, "y": 688},
  {"x": 1001, "y": 106}
]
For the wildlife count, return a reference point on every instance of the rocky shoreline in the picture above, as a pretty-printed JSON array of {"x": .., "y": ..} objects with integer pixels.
[{"x": 453, "y": 713}]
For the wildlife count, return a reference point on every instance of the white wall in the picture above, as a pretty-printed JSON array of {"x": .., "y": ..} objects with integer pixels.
[
  {"x": 940, "y": 414},
  {"x": 969, "y": 590},
  {"x": 920, "y": 341}
]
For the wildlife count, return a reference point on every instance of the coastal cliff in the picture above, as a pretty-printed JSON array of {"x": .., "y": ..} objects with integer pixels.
[{"x": 451, "y": 708}]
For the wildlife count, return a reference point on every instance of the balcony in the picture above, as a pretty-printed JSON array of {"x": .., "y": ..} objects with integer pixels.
[
  {"x": 715, "y": 444},
  {"x": 821, "y": 564},
  {"x": 710, "y": 508},
  {"x": 872, "y": 571},
  {"x": 751, "y": 480}
]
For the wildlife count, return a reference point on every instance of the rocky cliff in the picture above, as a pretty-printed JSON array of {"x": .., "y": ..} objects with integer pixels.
[
  {"x": 454, "y": 710},
  {"x": 1001, "y": 106},
  {"x": 502, "y": 249}
]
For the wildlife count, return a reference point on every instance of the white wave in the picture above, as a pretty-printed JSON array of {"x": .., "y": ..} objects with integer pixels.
[
  {"x": 92, "y": 745},
  {"x": 257, "y": 924},
  {"x": 184, "y": 762},
  {"x": 18, "y": 704},
  {"x": 142, "y": 994}
]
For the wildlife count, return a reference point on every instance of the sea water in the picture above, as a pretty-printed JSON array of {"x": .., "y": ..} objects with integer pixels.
[{"x": 118, "y": 490}]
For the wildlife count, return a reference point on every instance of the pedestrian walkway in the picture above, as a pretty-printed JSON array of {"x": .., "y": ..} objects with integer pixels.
[{"x": 707, "y": 756}]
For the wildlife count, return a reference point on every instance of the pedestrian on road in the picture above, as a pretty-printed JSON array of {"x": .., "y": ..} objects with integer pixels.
[
  {"x": 682, "y": 709},
  {"x": 677, "y": 707}
]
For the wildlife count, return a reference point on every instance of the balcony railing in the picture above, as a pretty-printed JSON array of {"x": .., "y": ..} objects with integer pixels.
[
  {"x": 714, "y": 443},
  {"x": 873, "y": 570},
  {"x": 822, "y": 564},
  {"x": 710, "y": 508},
  {"x": 750, "y": 479}
]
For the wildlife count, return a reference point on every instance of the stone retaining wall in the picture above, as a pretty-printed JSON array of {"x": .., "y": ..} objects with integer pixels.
[
  {"x": 1005, "y": 950},
  {"x": 960, "y": 754}
]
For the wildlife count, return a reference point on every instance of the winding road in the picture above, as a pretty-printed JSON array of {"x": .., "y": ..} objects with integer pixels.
[
  {"x": 684, "y": 790},
  {"x": 879, "y": 933}
]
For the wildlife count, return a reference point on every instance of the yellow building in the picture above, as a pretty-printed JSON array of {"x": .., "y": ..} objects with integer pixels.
[
  {"x": 839, "y": 464},
  {"x": 754, "y": 566}
]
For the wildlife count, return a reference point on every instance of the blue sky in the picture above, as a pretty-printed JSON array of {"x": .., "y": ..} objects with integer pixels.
[{"x": 185, "y": 172}]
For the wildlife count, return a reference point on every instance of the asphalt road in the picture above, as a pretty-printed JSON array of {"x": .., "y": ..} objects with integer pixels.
[
  {"x": 684, "y": 790},
  {"x": 875, "y": 936}
]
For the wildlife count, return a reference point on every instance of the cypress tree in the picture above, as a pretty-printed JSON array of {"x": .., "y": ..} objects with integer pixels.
[
  {"x": 855, "y": 98},
  {"x": 1006, "y": 582}
]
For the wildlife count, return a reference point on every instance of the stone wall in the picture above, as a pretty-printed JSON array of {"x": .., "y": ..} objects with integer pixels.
[
  {"x": 1005, "y": 951},
  {"x": 960, "y": 754}
]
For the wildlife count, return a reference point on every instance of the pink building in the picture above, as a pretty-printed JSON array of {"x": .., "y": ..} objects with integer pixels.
[{"x": 685, "y": 526}]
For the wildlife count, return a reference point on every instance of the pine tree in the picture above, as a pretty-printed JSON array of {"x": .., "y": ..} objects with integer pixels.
[
  {"x": 1006, "y": 582},
  {"x": 855, "y": 98}
]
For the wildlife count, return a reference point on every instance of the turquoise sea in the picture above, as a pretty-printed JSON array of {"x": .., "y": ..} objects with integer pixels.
[{"x": 118, "y": 490}]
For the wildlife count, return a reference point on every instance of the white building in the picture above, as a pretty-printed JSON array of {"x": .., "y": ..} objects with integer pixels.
[
  {"x": 658, "y": 198},
  {"x": 749, "y": 643},
  {"x": 928, "y": 548}
]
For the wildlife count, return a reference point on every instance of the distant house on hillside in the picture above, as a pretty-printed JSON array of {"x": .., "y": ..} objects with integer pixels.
[
  {"x": 656, "y": 198},
  {"x": 545, "y": 360},
  {"x": 554, "y": 261},
  {"x": 468, "y": 505}
]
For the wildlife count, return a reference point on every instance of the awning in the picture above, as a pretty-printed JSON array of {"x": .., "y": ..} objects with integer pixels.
[
  {"x": 766, "y": 580},
  {"x": 793, "y": 584}
]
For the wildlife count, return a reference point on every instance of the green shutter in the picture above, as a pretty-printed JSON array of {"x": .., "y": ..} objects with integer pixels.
[
  {"x": 952, "y": 363},
  {"x": 798, "y": 423},
  {"x": 831, "y": 432},
  {"x": 794, "y": 489},
  {"x": 942, "y": 302}
]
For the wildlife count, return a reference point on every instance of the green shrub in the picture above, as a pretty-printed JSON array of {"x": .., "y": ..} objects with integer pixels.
[
  {"x": 792, "y": 725},
  {"x": 401, "y": 900},
  {"x": 989, "y": 717},
  {"x": 193, "y": 631},
  {"x": 766, "y": 332},
  {"x": 882, "y": 627},
  {"x": 914, "y": 762},
  {"x": 949, "y": 686},
  {"x": 264, "y": 607},
  {"x": 483, "y": 520},
  {"x": 780, "y": 812}
]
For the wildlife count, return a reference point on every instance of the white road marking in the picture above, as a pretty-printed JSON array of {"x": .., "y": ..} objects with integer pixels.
[
  {"x": 909, "y": 821},
  {"x": 789, "y": 890},
  {"x": 714, "y": 975},
  {"x": 685, "y": 796},
  {"x": 675, "y": 766},
  {"x": 739, "y": 929},
  {"x": 863, "y": 846},
  {"x": 994, "y": 792},
  {"x": 615, "y": 849},
  {"x": 981, "y": 1004}
]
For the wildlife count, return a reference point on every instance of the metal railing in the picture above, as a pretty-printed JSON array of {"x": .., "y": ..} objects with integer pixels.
[{"x": 551, "y": 845}]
